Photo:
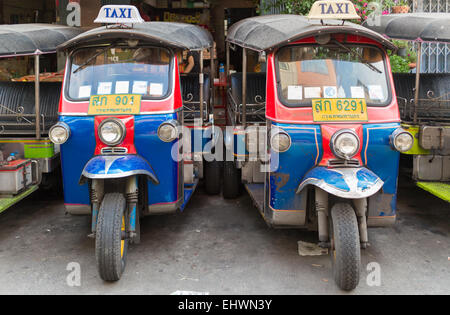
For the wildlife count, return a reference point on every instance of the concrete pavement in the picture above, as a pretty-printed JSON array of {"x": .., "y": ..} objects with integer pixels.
[{"x": 220, "y": 247}]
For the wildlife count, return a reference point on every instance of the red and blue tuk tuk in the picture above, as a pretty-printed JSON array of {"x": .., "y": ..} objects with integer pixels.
[{"x": 316, "y": 136}]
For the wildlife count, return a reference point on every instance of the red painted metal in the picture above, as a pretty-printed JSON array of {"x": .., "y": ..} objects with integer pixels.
[
  {"x": 172, "y": 103},
  {"x": 328, "y": 131},
  {"x": 128, "y": 141},
  {"x": 277, "y": 112}
]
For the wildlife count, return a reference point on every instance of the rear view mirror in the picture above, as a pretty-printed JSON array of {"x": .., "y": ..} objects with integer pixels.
[{"x": 262, "y": 57}]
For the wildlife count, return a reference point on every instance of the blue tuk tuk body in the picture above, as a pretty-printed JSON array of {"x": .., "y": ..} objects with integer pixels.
[{"x": 125, "y": 150}]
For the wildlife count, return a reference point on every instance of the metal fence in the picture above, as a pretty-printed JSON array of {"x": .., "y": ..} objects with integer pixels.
[{"x": 436, "y": 57}]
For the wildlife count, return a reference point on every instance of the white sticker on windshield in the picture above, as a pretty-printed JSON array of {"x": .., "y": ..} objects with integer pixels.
[
  {"x": 313, "y": 92},
  {"x": 156, "y": 89},
  {"x": 329, "y": 92},
  {"x": 84, "y": 91},
  {"x": 104, "y": 88},
  {"x": 341, "y": 93},
  {"x": 295, "y": 92},
  {"x": 122, "y": 87},
  {"x": 140, "y": 87},
  {"x": 357, "y": 92},
  {"x": 376, "y": 92}
]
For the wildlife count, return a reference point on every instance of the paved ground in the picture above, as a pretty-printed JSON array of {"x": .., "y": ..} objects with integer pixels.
[{"x": 220, "y": 247}]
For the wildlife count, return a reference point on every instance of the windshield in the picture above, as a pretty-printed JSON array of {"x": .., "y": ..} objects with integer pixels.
[
  {"x": 119, "y": 70},
  {"x": 332, "y": 71}
]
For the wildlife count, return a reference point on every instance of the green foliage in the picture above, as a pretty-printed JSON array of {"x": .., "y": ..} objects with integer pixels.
[
  {"x": 400, "y": 43},
  {"x": 412, "y": 55},
  {"x": 399, "y": 64},
  {"x": 291, "y": 6},
  {"x": 387, "y": 4}
]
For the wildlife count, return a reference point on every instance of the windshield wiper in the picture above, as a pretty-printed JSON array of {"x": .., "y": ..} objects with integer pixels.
[
  {"x": 93, "y": 57},
  {"x": 360, "y": 57}
]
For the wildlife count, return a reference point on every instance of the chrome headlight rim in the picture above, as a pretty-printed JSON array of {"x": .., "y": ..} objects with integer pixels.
[
  {"x": 59, "y": 125},
  {"x": 336, "y": 150},
  {"x": 398, "y": 132},
  {"x": 120, "y": 124},
  {"x": 277, "y": 132},
  {"x": 172, "y": 123}
]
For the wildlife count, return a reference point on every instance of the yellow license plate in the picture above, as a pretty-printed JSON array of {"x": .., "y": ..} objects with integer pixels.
[
  {"x": 335, "y": 109},
  {"x": 126, "y": 104}
]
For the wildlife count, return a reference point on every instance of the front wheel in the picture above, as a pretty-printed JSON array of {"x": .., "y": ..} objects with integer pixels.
[
  {"x": 111, "y": 245},
  {"x": 345, "y": 246}
]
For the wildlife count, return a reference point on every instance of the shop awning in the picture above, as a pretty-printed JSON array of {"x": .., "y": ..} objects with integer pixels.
[
  {"x": 427, "y": 27},
  {"x": 267, "y": 32},
  {"x": 174, "y": 35},
  {"x": 33, "y": 39}
]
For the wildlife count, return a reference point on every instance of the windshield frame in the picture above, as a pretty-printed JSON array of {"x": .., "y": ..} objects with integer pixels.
[
  {"x": 308, "y": 102},
  {"x": 69, "y": 73}
]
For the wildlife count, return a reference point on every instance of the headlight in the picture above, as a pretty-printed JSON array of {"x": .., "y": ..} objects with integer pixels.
[
  {"x": 345, "y": 144},
  {"x": 280, "y": 141},
  {"x": 59, "y": 133},
  {"x": 168, "y": 131},
  {"x": 111, "y": 131},
  {"x": 402, "y": 140}
]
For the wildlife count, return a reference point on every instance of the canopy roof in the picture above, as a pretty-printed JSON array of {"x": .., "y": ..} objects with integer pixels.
[
  {"x": 270, "y": 31},
  {"x": 429, "y": 27},
  {"x": 174, "y": 35},
  {"x": 33, "y": 39}
]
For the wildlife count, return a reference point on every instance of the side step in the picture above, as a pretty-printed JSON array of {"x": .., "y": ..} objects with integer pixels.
[
  {"x": 5, "y": 203},
  {"x": 440, "y": 190}
]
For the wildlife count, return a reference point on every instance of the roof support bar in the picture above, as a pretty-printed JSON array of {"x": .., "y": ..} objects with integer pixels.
[
  {"x": 416, "y": 92},
  {"x": 201, "y": 81},
  {"x": 37, "y": 96},
  {"x": 212, "y": 75},
  {"x": 244, "y": 88}
]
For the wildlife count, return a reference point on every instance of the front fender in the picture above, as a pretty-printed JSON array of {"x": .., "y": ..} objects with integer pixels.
[
  {"x": 348, "y": 183},
  {"x": 120, "y": 166}
]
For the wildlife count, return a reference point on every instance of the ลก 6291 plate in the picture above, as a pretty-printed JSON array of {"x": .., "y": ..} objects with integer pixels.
[{"x": 335, "y": 109}]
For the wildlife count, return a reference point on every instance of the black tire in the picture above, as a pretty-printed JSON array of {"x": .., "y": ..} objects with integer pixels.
[
  {"x": 345, "y": 246},
  {"x": 231, "y": 180},
  {"x": 212, "y": 174},
  {"x": 111, "y": 260}
]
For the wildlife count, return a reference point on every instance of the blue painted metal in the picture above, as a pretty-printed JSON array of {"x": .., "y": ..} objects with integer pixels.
[
  {"x": 188, "y": 192},
  {"x": 159, "y": 154},
  {"x": 114, "y": 166},
  {"x": 75, "y": 153},
  {"x": 95, "y": 211},
  {"x": 290, "y": 167},
  {"x": 132, "y": 219},
  {"x": 80, "y": 148},
  {"x": 240, "y": 149},
  {"x": 202, "y": 139},
  {"x": 377, "y": 154}
]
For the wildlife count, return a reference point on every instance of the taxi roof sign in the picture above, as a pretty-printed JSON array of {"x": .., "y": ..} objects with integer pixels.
[
  {"x": 119, "y": 14},
  {"x": 333, "y": 9}
]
